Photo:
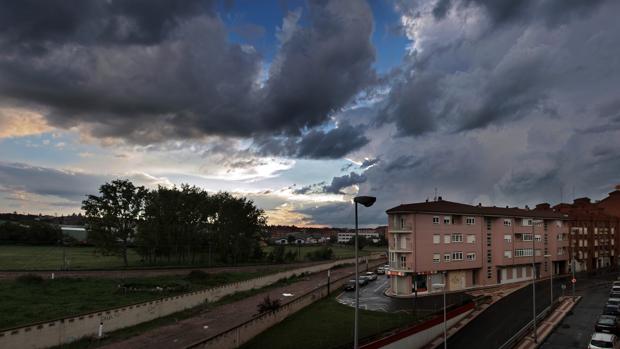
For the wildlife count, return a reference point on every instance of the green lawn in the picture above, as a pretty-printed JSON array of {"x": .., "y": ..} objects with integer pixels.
[
  {"x": 51, "y": 257},
  {"x": 326, "y": 324},
  {"x": 339, "y": 251},
  {"x": 24, "y": 303}
]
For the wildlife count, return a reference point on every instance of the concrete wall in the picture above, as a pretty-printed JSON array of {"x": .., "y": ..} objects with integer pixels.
[
  {"x": 243, "y": 333},
  {"x": 68, "y": 329},
  {"x": 420, "y": 335}
]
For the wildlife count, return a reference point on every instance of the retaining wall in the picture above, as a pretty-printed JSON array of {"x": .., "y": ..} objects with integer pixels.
[
  {"x": 243, "y": 333},
  {"x": 421, "y": 334},
  {"x": 68, "y": 329}
]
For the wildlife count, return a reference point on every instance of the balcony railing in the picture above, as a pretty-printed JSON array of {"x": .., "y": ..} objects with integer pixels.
[{"x": 401, "y": 229}]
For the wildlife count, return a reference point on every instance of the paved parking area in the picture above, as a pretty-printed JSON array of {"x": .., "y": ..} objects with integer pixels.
[
  {"x": 372, "y": 297},
  {"x": 576, "y": 329}
]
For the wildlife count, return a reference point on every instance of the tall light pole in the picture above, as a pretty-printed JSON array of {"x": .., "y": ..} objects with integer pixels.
[
  {"x": 445, "y": 322},
  {"x": 534, "y": 222},
  {"x": 367, "y": 201},
  {"x": 550, "y": 278}
]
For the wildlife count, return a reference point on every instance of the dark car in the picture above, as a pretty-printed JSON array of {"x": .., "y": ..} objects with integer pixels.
[
  {"x": 613, "y": 294},
  {"x": 614, "y": 301},
  {"x": 350, "y": 286},
  {"x": 611, "y": 310},
  {"x": 363, "y": 281},
  {"x": 607, "y": 324}
]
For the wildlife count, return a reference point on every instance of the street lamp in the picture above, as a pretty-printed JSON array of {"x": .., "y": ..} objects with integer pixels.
[
  {"x": 367, "y": 201},
  {"x": 548, "y": 256},
  {"x": 534, "y": 222},
  {"x": 445, "y": 323}
]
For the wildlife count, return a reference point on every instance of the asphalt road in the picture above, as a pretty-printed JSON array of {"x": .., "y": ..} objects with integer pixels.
[
  {"x": 372, "y": 297},
  {"x": 576, "y": 329},
  {"x": 502, "y": 320}
]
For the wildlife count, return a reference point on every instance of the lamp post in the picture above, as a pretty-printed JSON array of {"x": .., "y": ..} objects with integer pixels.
[
  {"x": 548, "y": 256},
  {"x": 534, "y": 222},
  {"x": 367, "y": 201},
  {"x": 445, "y": 323}
]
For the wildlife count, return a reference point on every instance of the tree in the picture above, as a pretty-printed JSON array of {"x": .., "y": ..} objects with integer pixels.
[
  {"x": 268, "y": 304},
  {"x": 113, "y": 216}
]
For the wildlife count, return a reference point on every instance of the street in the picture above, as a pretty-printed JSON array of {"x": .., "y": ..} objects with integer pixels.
[{"x": 576, "y": 329}]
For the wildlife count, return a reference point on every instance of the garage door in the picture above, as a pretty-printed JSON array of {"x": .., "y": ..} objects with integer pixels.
[{"x": 456, "y": 280}]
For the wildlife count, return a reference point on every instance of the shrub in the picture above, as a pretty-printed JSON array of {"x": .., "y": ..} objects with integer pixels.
[
  {"x": 268, "y": 304},
  {"x": 30, "y": 279},
  {"x": 197, "y": 276}
]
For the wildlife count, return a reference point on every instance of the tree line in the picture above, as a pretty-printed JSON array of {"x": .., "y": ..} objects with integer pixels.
[
  {"x": 183, "y": 224},
  {"x": 29, "y": 233}
]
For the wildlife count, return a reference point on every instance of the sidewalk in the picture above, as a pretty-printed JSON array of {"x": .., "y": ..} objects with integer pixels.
[
  {"x": 224, "y": 317},
  {"x": 548, "y": 324}
]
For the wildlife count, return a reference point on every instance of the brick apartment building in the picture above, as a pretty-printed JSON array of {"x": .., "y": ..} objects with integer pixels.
[
  {"x": 594, "y": 241},
  {"x": 473, "y": 245}
]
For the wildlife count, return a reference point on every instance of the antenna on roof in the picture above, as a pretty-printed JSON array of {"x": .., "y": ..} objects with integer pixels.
[{"x": 435, "y": 197}]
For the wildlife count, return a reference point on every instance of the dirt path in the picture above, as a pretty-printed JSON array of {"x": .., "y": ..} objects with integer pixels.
[
  {"x": 222, "y": 318},
  {"x": 137, "y": 273}
]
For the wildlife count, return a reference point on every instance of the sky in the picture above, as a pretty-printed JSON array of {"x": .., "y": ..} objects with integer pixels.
[{"x": 302, "y": 105}]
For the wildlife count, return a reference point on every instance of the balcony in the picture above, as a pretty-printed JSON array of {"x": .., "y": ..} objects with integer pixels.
[
  {"x": 401, "y": 230},
  {"x": 395, "y": 266}
]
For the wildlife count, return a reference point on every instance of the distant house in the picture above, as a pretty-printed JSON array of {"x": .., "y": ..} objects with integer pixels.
[
  {"x": 281, "y": 241},
  {"x": 299, "y": 241},
  {"x": 76, "y": 232}
]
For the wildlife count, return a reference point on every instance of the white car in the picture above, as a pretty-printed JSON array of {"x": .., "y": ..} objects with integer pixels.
[
  {"x": 604, "y": 341},
  {"x": 370, "y": 275}
]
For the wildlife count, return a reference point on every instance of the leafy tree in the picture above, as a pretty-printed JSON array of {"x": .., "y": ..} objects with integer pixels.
[
  {"x": 278, "y": 254},
  {"x": 112, "y": 217}
]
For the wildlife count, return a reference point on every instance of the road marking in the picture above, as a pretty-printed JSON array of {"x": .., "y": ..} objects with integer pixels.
[{"x": 381, "y": 286}]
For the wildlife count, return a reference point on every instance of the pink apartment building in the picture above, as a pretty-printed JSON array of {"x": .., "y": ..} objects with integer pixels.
[{"x": 473, "y": 245}]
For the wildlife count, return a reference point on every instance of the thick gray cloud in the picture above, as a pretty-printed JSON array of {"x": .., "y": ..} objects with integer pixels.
[
  {"x": 368, "y": 162},
  {"x": 341, "y": 182},
  {"x": 151, "y": 71},
  {"x": 316, "y": 144},
  {"x": 69, "y": 185}
]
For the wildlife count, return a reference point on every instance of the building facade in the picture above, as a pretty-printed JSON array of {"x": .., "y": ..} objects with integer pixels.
[
  {"x": 472, "y": 245},
  {"x": 370, "y": 234}
]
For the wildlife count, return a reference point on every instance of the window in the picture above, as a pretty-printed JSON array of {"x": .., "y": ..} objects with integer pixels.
[
  {"x": 526, "y": 222},
  {"x": 523, "y": 252},
  {"x": 403, "y": 262},
  {"x": 470, "y": 220},
  {"x": 558, "y": 224},
  {"x": 446, "y": 239},
  {"x": 526, "y": 237},
  {"x": 508, "y": 254},
  {"x": 446, "y": 257},
  {"x": 447, "y": 220},
  {"x": 508, "y": 238},
  {"x": 435, "y": 220},
  {"x": 457, "y": 256},
  {"x": 436, "y": 239},
  {"x": 471, "y": 256},
  {"x": 507, "y": 222},
  {"x": 471, "y": 239},
  {"x": 538, "y": 253},
  {"x": 537, "y": 237},
  {"x": 457, "y": 237},
  {"x": 402, "y": 222},
  {"x": 436, "y": 258}
]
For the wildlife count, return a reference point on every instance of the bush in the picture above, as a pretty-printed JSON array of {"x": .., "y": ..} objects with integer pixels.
[
  {"x": 197, "y": 276},
  {"x": 30, "y": 279},
  {"x": 324, "y": 253},
  {"x": 268, "y": 304}
]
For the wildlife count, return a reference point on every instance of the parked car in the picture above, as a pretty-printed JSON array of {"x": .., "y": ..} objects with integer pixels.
[
  {"x": 611, "y": 309},
  {"x": 614, "y": 294},
  {"x": 363, "y": 281},
  {"x": 350, "y": 286},
  {"x": 614, "y": 301},
  {"x": 607, "y": 324},
  {"x": 603, "y": 341},
  {"x": 616, "y": 283},
  {"x": 380, "y": 271},
  {"x": 615, "y": 288},
  {"x": 370, "y": 276}
]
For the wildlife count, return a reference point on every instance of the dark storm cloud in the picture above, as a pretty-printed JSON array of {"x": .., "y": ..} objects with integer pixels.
[
  {"x": 74, "y": 186},
  {"x": 341, "y": 182},
  {"x": 552, "y": 12},
  {"x": 316, "y": 144},
  {"x": 368, "y": 162},
  {"x": 150, "y": 71}
]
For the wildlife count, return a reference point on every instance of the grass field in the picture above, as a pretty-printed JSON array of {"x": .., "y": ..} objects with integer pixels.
[
  {"x": 51, "y": 257},
  {"x": 339, "y": 251},
  {"x": 24, "y": 303},
  {"x": 326, "y": 324}
]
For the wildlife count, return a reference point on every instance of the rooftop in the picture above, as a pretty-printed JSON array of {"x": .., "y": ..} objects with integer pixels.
[{"x": 449, "y": 207}]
